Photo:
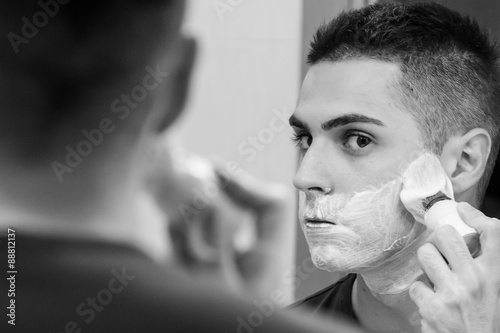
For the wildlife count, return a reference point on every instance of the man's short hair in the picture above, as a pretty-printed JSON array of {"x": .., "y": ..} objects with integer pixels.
[
  {"x": 450, "y": 79},
  {"x": 58, "y": 53}
]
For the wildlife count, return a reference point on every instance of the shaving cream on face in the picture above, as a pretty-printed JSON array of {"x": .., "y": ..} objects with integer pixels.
[{"x": 369, "y": 227}]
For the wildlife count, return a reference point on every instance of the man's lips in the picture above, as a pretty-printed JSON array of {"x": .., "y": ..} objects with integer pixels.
[{"x": 317, "y": 221}]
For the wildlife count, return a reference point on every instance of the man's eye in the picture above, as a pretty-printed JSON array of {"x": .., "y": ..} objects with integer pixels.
[
  {"x": 302, "y": 141},
  {"x": 356, "y": 142}
]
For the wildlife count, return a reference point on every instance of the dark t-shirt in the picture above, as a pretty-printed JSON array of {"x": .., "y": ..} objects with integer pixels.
[{"x": 332, "y": 301}]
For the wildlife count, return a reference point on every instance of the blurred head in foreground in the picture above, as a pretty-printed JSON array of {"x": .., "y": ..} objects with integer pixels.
[{"x": 86, "y": 90}]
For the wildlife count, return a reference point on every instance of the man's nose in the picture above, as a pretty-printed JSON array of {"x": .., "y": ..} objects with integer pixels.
[{"x": 314, "y": 172}]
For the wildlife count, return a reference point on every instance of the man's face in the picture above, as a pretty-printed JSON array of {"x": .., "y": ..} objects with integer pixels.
[{"x": 353, "y": 138}]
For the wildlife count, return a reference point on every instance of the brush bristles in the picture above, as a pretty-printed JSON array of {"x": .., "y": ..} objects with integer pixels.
[{"x": 423, "y": 180}]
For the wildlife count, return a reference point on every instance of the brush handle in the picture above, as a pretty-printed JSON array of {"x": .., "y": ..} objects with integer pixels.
[{"x": 446, "y": 212}]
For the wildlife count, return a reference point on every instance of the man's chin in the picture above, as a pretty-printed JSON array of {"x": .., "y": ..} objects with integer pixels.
[{"x": 337, "y": 260}]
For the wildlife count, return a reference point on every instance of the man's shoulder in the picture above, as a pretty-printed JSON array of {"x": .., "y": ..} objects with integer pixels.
[
  {"x": 70, "y": 285},
  {"x": 99, "y": 287},
  {"x": 334, "y": 299}
]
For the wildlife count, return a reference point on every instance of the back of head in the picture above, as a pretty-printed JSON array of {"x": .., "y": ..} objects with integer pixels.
[
  {"x": 450, "y": 79},
  {"x": 60, "y": 55}
]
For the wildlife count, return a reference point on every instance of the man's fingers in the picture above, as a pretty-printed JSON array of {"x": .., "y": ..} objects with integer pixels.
[
  {"x": 426, "y": 327},
  {"x": 470, "y": 215},
  {"x": 452, "y": 245},
  {"x": 429, "y": 306},
  {"x": 421, "y": 294},
  {"x": 488, "y": 228},
  {"x": 433, "y": 264},
  {"x": 251, "y": 192}
]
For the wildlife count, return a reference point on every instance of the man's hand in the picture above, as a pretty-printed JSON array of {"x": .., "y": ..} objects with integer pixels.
[
  {"x": 466, "y": 294},
  {"x": 261, "y": 267},
  {"x": 233, "y": 229}
]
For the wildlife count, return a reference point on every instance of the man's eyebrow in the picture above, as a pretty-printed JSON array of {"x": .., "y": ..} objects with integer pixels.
[
  {"x": 350, "y": 118},
  {"x": 294, "y": 121}
]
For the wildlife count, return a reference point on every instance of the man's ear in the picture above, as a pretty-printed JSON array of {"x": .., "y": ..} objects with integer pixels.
[
  {"x": 464, "y": 159},
  {"x": 177, "y": 86}
]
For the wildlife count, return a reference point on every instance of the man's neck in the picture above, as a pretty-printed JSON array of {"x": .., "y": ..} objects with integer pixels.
[
  {"x": 380, "y": 296},
  {"x": 387, "y": 313},
  {"x": 107, "y": 202}
]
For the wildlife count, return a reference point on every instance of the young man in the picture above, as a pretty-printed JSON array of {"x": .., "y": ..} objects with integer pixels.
[
  {"x": 387, "y": 82},
  {"x": 86, "y": 89}
]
